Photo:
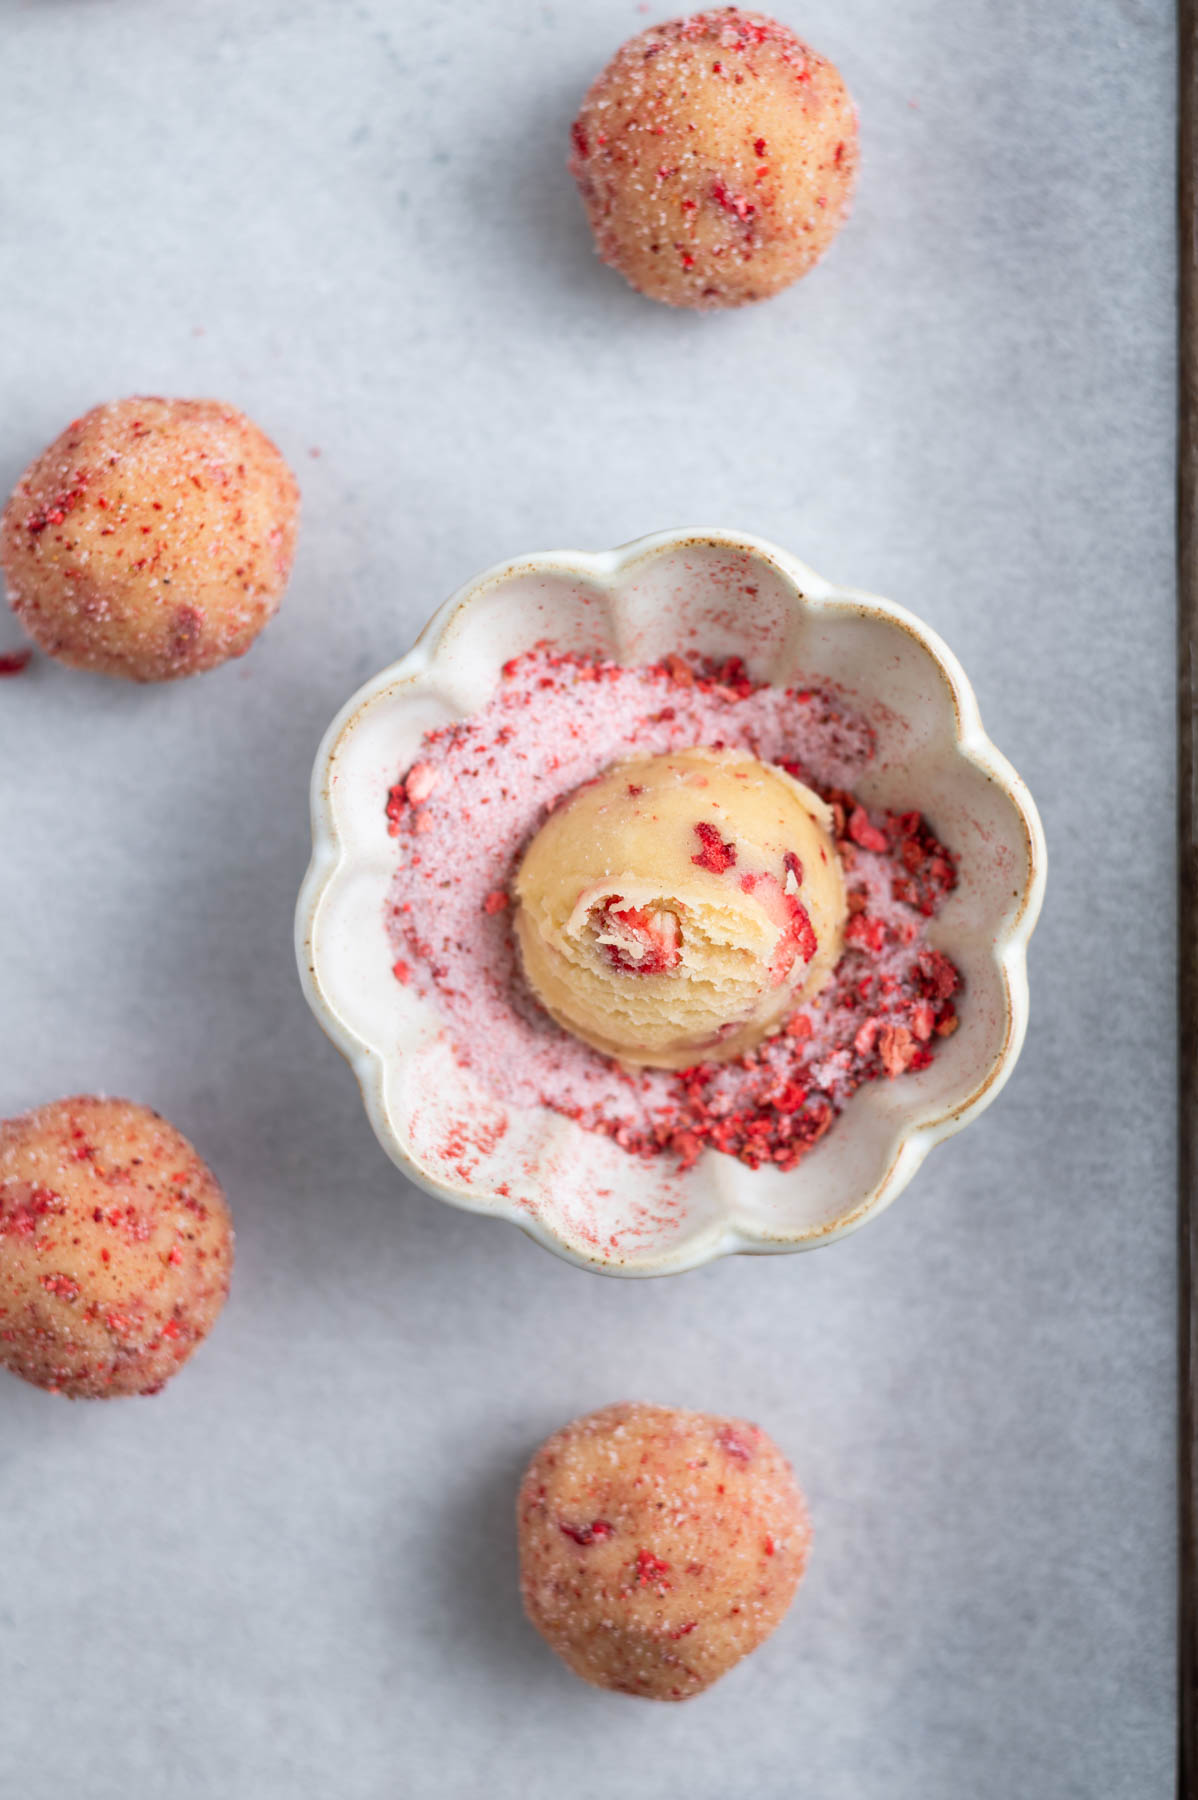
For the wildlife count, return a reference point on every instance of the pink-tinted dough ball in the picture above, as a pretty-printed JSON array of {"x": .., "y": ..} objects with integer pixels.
[
  {"x": 716, "y": 157},
  {"x": 153, "y": 539},
  {"x": 116, "y": 1247},
  {"x": 658, "y": 1547}
]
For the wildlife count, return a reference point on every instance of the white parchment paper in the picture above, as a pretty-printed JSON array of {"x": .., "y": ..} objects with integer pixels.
[{"x": 292, "y": 1574}]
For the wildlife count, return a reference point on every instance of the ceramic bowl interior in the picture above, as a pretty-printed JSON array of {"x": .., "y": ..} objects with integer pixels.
[{"x": 717, "y": 593}]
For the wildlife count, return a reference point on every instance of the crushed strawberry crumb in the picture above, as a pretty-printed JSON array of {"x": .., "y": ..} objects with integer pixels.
[
  {"x": 651, "y": 1571},
  {"x": 588, "y": 1534}
]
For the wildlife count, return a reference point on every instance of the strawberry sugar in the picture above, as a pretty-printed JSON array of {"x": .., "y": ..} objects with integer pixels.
[{"x": 464, "y": 812}]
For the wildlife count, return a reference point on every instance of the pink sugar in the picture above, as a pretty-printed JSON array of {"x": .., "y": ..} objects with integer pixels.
[{"x": 481, "y": 788}]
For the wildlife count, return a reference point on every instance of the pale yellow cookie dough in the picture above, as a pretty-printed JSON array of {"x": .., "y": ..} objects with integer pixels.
[{"x": 677, "y": 909}]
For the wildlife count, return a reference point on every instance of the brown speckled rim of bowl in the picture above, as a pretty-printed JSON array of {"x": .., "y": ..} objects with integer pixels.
[{"x": 603, "y": 570}]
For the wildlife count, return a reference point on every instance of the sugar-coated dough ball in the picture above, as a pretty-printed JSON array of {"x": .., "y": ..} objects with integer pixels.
[
  {"x": 716, "y": 157},
  {"x": 153, "y": 539},
  {"x": 658, "y": 1547},
  {"x": 116, "y": 1248},
  {"x": 679, "y": 908}
]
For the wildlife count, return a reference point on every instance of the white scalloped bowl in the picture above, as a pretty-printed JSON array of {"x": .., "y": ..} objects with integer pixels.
[{"x": 574, "y": 1191}]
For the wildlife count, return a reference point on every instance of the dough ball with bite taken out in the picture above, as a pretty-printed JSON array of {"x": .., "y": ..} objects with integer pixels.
[{"x": 679, "y": 907}]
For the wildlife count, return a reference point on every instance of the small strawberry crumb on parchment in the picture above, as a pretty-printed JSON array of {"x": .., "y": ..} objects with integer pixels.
[{"x": 463, "y": 812}]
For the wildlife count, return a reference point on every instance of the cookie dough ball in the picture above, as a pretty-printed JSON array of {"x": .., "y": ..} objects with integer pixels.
[
  {"x": 716, "y": 157},
  {"x": 658, "y": 1547},
  {"x": 153, "y": 539},
  {"x": 116, "y": 1247},
  {"x": 679, "y": 908}
]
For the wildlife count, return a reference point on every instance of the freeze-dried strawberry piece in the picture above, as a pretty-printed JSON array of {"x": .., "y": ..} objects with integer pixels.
[
  {"x": 643, "y": 940},
  {"x": 928, "y": 871},
  {"x": 938, "y": 979},
  {"x": 866, "y": 932},
  {"x": 948, "y": 1021},
  {"x": 651, "y": 1571},
  {"x": 397, "y": 799},
  {"x": 802, "y": 931},
  {"x": 734, "y": 1443},
  {"x": 865, "y": 834},
  {"x": 63, "y": 1287},
  {"x": 739, "y": 205},
  {"x": 597, "y": 1530},
  {"x": 923, "y": 1020},
  {"x": 794, "y": 873},
  {"x": 678, "y": 670},
  {"x": 420, "y": 781},
  {"x": 897, "y": 1047},
  {"x": 715, "y": 854},
  {"x": 733, "y": 678}
]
